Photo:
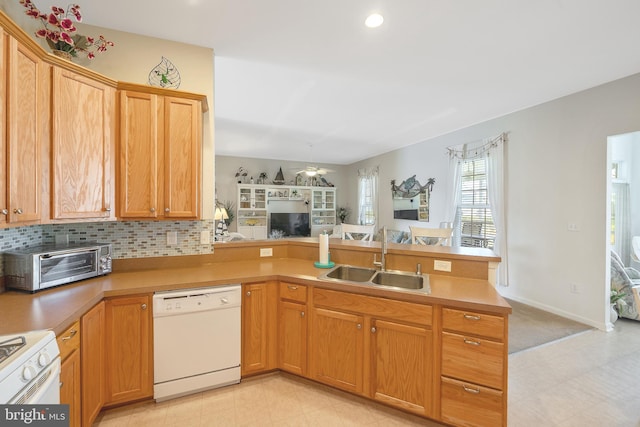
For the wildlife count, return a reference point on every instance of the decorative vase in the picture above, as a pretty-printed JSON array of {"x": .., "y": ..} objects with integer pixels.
[
  {"x": 62, "y": 54},
  {"x": 613, "y": 314}
]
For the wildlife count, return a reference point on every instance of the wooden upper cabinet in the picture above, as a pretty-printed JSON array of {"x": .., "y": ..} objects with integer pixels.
[
  {"x": 160, "y": 149},
  {"x": 138, "y": 169},
  {"x": 83, "y": 147},
  {"x": 26, "y": 101},
  {"x": 183, "y": 142}
]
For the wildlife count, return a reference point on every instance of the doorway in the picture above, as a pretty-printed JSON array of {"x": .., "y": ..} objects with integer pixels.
[{"x": 623, "y": 209}]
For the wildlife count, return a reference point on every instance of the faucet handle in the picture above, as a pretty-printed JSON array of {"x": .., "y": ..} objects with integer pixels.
[
  {"x": 419, "y": 269},
  {"x": 375, "y": 262}
]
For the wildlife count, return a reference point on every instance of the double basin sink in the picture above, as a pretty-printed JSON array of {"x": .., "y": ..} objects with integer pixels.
[{"x": 370, "y": 276}]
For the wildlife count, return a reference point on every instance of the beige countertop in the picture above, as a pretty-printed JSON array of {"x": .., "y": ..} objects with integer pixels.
[{"x": 57, "y": 308}]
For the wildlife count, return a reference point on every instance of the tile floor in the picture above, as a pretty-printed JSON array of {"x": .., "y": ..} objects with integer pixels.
[{"x": 589, "y": 380}]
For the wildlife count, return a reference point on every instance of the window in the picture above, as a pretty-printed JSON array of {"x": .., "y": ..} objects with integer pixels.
[
  {"x": 473, "y": 216},
  {"x": 367, "y": 196}
]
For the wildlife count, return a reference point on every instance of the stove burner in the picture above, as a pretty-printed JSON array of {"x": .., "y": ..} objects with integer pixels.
[{"x": 10, "y": 346}]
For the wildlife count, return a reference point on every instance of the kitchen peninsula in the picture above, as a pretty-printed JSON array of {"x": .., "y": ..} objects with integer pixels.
[{"x": 452, "y": 339}]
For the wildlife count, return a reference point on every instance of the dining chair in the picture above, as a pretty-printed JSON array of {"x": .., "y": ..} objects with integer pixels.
[
  {"x": 431, "y": 236},
  {"x": 357, "y": 232}
]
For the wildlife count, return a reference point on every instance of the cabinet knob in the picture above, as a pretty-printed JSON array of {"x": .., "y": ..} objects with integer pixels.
[
  {"x": 143, "y": 306},
  {"x": 167, "y": 210},
  {"x": 248, "y": 293},
  {"x": 302, "y": 314},
  {"x": 152, "y": 210},
  {"x": 373, "y": 330},
  {"x": 4, "y": 212},
  {"x": 359, "y": 326},
  {"x": 17, "y": 211},
  {"x": 107, "y": 209}
]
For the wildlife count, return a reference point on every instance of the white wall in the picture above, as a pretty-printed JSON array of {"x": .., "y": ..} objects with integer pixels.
[{"x": 556, "y": 173}]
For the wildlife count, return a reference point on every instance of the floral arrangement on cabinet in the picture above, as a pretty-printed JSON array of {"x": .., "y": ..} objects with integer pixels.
[{"x": 60, "y": 33}]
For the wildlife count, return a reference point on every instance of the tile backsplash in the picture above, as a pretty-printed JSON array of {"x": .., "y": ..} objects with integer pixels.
[{"x": 130, "y": 239}]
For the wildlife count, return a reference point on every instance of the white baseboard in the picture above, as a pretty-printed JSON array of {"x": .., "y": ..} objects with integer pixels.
[{"x": 603, "y": 326}]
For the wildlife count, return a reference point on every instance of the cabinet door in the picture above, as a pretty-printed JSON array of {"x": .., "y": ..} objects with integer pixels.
[
  {"x": 293, "y": 337},
  {"x": 70, "y": 387},
  {"x": 259, "y": 327},
  {"x": 92, "y": 344},
  {"x": 83, "y": 147},
  {"x": 182, "y": 145},
  {"x": 27, "y": 90},
  {"x": 129, "y": 342},
  {"x": 402, "y": 366},
  {"x": 336, "y": 351},
  {"x": 138, "y": 158}
]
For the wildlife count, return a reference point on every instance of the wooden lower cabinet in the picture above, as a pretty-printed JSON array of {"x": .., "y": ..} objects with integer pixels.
[
  {"x": 259, "y": 327},
  {"x": 70, "y": 372},
  {"x": 468, "y": 404},
  {"x": 70, "y": 391},
  {"x": 292, "y": 322},
  {"x": 402, "y": 366},
  {"x": 129, "y": 371},
  {"x": 92, "y": 362},
  {"x": 336, "y": 351},
  {"x": 474, "y": 357}
]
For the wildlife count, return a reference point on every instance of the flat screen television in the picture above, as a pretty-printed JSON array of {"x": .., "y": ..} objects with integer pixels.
[{"x": 291, "y": 224}]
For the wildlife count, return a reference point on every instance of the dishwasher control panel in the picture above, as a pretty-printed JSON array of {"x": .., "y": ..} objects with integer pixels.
[{"x": 194, "y": 300}]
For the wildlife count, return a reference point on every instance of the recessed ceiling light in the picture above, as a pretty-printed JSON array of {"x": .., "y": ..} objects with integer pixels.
[{"x": 374, "y": 20}]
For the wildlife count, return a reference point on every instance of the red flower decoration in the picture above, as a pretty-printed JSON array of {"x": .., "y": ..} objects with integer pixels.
[{"x": 59, "y": 31}]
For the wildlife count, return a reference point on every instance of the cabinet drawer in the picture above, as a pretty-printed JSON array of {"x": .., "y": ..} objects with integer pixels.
[
  {"x": 466, "y": 404},
  {"x": 293, "y": 292},
  {"x": 473, "y": 359},
  {"x": 69, "y": 340},
  {"x": 470, "y": 322},
  {"x": 374, "y": 306}
]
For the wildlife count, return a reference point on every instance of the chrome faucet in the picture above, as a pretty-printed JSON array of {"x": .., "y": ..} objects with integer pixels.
[{"x": 383, "y": 247}]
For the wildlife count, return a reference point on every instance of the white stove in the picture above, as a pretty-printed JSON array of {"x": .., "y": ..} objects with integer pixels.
[{"x": 29, "y": 368}]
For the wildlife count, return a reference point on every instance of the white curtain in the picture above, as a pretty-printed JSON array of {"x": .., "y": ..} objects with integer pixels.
[
  {"x": 368, "y": 196},
  {"x": 622, "y": 214},
  {"x": 493, "y": 151},
  {"x": 496, "y": 195},
  {"x": 453, "y": 197}
]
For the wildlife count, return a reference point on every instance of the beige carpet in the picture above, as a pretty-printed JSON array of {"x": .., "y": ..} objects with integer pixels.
[{"x": 530, "y": 327}]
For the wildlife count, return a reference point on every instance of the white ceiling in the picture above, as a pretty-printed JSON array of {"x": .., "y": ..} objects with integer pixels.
[{"x": 306, "y": 80}]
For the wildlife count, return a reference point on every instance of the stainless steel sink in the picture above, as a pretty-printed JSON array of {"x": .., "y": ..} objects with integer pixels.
[
  {"x": 398, "y": 280},
  {"x": 352, "y": 274},
  {"x": 373, "y": 277}
]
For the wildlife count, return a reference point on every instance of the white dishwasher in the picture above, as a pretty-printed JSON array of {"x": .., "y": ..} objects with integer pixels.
[{"x": 196, "y": 340}]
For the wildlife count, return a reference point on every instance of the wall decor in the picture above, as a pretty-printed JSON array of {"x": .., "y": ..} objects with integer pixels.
[
  {"x": 411, "y": 199},
  {"x": 165, "y": 75}
]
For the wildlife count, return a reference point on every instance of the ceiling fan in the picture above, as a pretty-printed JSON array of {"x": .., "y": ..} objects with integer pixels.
[{"x": 312, "y": 170}]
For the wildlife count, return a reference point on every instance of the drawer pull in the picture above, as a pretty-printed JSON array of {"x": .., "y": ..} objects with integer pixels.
[
  {"x": 293, "y": 288},
  {"x": 72, "y": 334},
  {"x": 471, "y": 342},
  {"x": 471, "y": 317},
  {"x": 471, "y": 390}
]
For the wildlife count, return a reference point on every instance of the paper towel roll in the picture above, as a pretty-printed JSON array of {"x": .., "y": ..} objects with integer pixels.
[{"x": 324, "y": 248}]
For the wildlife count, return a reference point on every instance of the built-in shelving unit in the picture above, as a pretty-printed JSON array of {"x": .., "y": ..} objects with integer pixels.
[{"x": 257, "y": 201}]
